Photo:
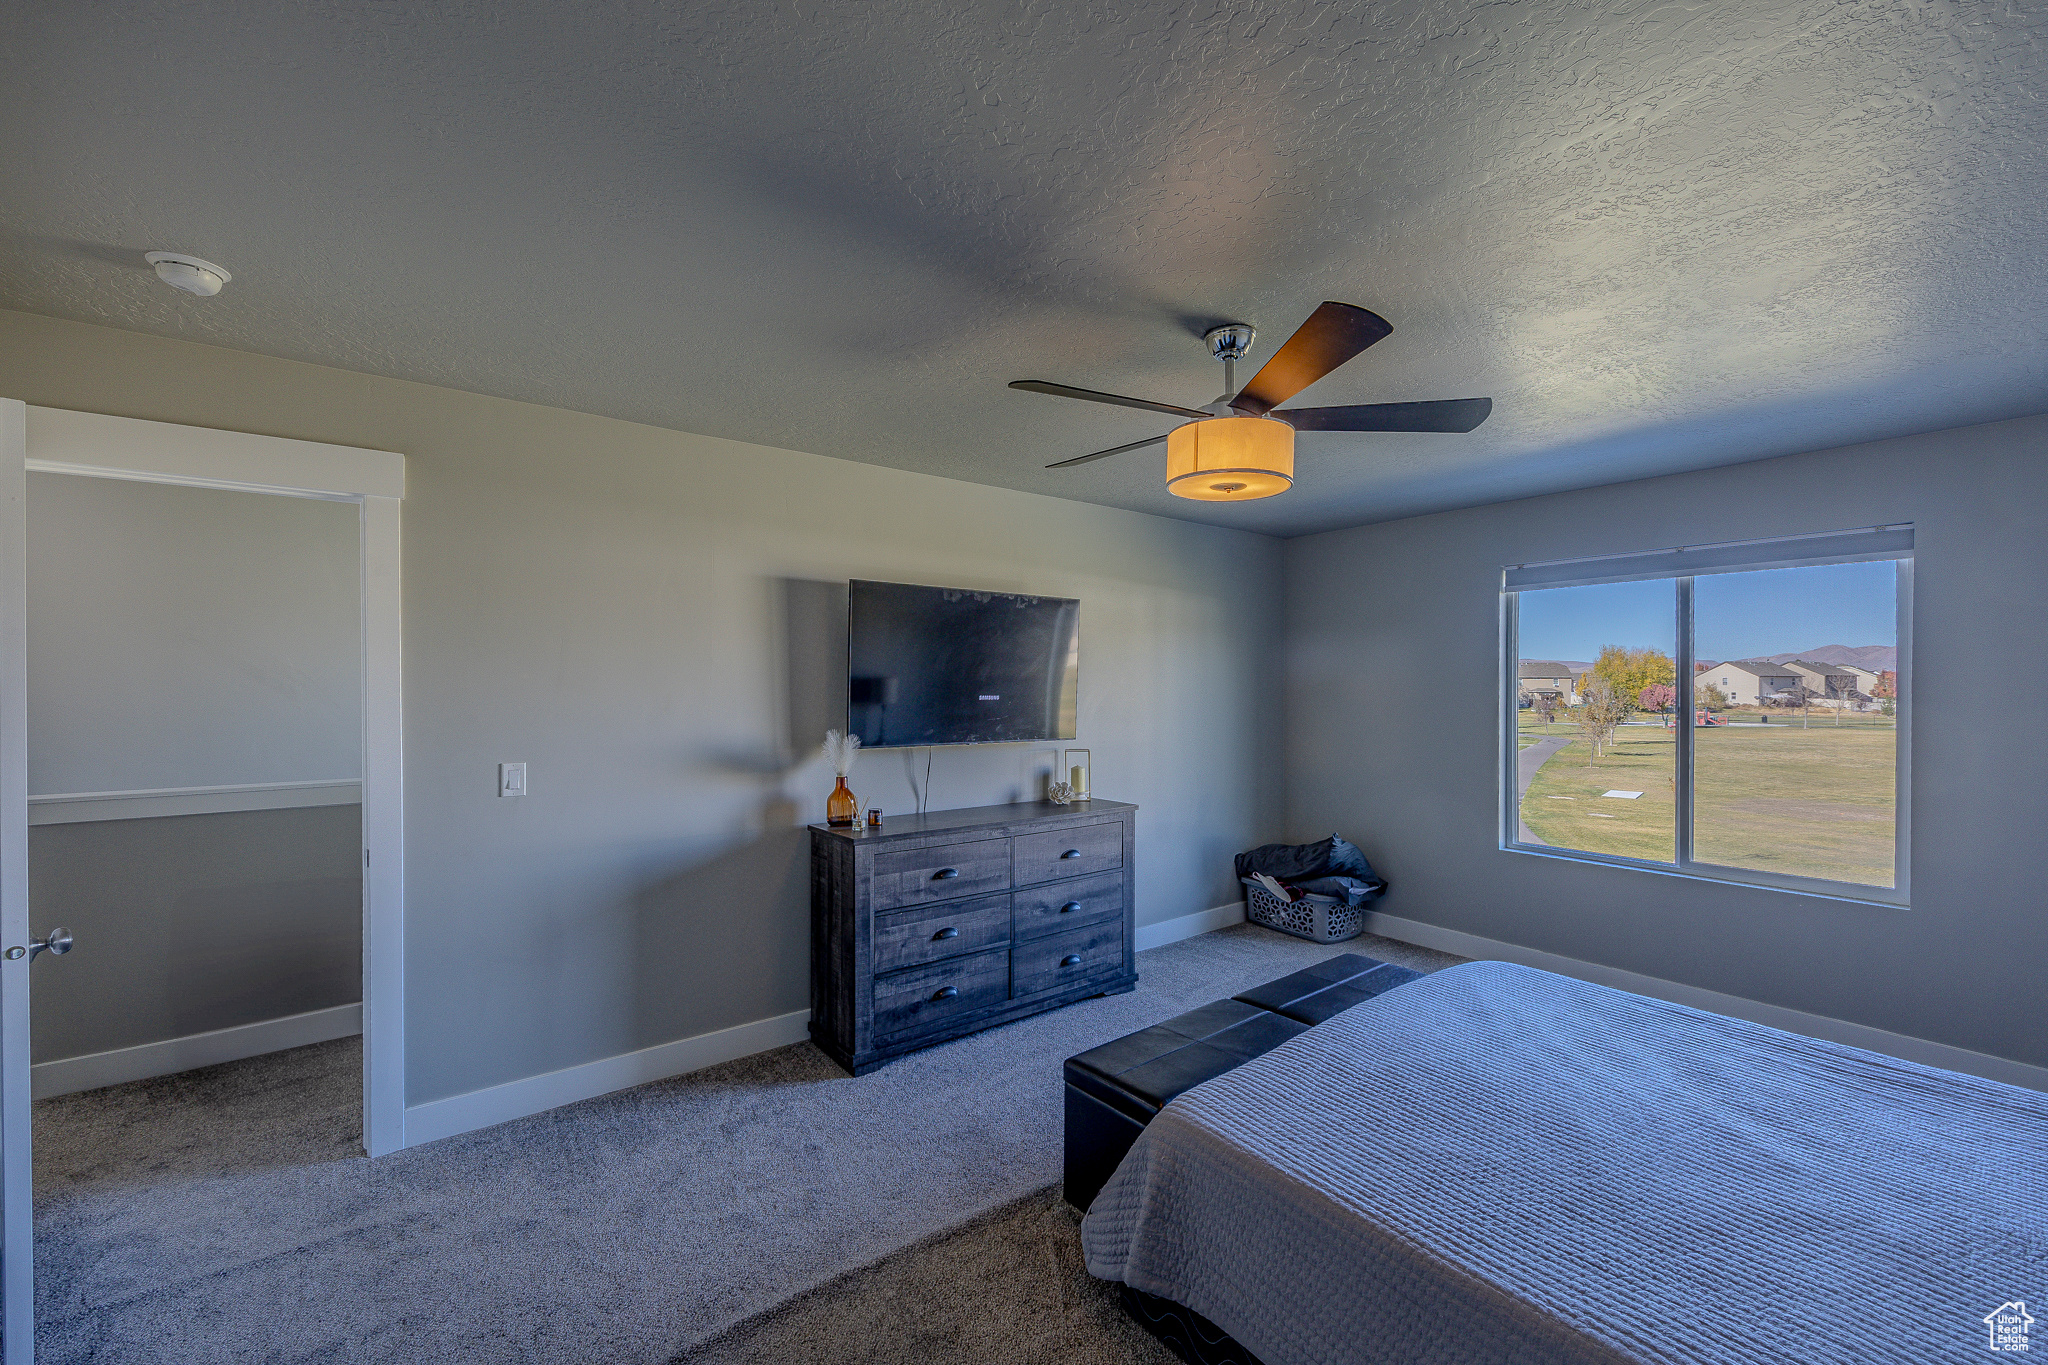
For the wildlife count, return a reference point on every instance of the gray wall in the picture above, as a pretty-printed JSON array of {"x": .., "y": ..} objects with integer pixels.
[
  {"x": 195, "y": 922},
  {"x": 189, "y": 637},
  {"x": 622, "y": 608},
  {"x": 1393, "y": 688}
]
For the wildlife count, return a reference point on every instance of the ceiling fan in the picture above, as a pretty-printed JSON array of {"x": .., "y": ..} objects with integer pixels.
[{"x": 1240, "y": 447}]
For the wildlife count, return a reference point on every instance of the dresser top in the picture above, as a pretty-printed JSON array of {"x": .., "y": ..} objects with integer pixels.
[{"x": 971, "y": 819}]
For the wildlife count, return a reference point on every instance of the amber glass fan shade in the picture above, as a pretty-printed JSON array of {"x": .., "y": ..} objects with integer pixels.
[{"x": 1230, "y": 459}]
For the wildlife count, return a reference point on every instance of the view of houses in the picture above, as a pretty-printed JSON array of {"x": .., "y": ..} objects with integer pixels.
[
  {"x": 1781, "y": 680},
  {"x": 1793, "y": 765}
]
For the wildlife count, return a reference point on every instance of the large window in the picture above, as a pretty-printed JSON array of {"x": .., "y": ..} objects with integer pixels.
[{"x": 1733, "y": 711}]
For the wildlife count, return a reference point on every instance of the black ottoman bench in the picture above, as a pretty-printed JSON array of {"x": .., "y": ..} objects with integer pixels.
[{"x": 1114, "y": 1090}]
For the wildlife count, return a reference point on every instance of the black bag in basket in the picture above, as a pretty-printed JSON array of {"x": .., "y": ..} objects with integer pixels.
[{"x": 1330, "y": 867}]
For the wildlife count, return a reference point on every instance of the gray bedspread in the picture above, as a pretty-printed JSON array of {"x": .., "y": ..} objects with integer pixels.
[{"x": 1498, "y": 1164}]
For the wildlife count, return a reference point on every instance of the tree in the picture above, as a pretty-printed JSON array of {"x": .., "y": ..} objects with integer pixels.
[
  {"x": 1601, "y": 711},
  {"x": 1545, "y": 707},
  {"x": 1657, "y": 696},
  {"x": 1629, "y": 671},
  {"x": 1710, "y": 696},
  {"x": 1798, "y": 696}
]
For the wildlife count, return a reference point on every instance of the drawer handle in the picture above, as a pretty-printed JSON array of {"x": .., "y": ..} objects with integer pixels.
[
  {"x": 945, "y": 874},
  {"x": 948, "y": 932},
  {"x": 1071, "y": 960},
  {"x": 1070, "y": 853},
  {"x": 948, "y": 992},
  {"x": 1070, "y": 907}
]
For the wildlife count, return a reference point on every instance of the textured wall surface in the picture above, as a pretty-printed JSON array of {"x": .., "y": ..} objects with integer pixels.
[
  {"x": 190, "y": 637},
  {"x": 195, "y": 923},
  {"x": 1372, "y": 610},
  {"x": 645, "y": 619},
  {"x": 1661, "y": 235}
]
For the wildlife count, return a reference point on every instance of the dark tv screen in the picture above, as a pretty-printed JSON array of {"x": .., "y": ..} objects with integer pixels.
[{"x": 949, "y": 666}]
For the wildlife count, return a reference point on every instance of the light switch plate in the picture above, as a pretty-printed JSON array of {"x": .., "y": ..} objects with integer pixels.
[{"x": 511, "y": 779}]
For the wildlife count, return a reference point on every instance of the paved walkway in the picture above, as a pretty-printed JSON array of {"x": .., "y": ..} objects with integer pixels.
[{"x": 1526, "y": 764}]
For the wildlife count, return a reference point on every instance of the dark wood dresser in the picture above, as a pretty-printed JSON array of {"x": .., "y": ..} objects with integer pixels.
[{"x": 940, "y": 924}]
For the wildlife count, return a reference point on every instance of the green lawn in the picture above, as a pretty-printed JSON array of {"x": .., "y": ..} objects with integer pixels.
[
  {"x": 1818, "y": 802},
  {"x": 1565, "y": 807},
  {"x": 1813, "y": 801}
]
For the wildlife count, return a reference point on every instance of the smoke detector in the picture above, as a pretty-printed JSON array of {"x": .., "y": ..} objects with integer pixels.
[{"x": 188, "y": 273}]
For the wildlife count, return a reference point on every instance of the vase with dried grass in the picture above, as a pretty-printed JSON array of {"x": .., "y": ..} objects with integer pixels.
[{"x": 842, "y": 807}]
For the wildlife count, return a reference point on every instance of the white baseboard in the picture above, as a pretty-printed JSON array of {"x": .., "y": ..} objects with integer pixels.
[
  {"x": 1756, "y": 1011},
  {"x": 535, "y": 1094},
  {"x": 1187, "y": 926},
  {"x": 71, "y": 1074}
]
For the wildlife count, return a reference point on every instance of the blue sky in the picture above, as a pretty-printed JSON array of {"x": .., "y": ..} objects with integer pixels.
[{"x": 1735, "y": 615}]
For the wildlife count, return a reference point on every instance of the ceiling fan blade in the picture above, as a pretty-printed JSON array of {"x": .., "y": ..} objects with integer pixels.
[
  {"x": 1105, "y": 454},
  {"x": 1333, "y": 334},
  {"x": 1090, "y": 395},
  {"x": 1447, "y": 414}
]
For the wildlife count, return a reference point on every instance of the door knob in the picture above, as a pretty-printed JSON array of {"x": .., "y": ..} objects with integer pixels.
[{"x": 58, "y": 942}]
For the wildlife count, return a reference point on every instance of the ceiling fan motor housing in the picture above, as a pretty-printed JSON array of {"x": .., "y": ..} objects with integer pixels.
[{"x": 1232, "y": 341}]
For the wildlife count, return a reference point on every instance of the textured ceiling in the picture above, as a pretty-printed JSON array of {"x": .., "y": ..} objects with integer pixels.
[{"x": 1660, "y": 235}]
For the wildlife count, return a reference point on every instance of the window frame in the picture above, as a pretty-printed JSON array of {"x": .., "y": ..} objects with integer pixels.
[{"x": 1683, "y": 565}]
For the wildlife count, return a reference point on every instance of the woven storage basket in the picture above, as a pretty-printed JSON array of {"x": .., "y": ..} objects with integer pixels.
[{"x": 1316, "y": 918}]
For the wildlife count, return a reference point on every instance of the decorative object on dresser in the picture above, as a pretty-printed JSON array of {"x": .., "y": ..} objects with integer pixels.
[
  {"x": 842, "y": 807},
  {"x": 942, "y": 924}
]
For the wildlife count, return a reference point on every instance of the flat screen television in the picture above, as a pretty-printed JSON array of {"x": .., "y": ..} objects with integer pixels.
[{"x": 950, "y": 666}]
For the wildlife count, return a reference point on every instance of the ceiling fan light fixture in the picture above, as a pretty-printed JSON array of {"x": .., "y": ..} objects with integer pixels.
[{"x": 1230, "y": 459}]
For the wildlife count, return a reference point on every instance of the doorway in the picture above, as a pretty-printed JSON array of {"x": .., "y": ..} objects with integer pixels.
[
  {"x": 304, "y": 824},
  {"x": 195, "y": 753}
]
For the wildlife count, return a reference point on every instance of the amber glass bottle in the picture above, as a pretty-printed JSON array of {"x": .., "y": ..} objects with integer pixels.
[{"x": 842, "y": 806}]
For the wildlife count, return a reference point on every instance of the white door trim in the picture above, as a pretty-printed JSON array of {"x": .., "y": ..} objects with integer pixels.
[
  {"x": 99, "y": 446},
  {"x": 63, "y": 442},
  {"x": 17, "y": 1282}
]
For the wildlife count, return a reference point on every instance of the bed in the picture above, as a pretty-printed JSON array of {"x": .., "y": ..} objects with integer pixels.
[{"x": 1498, "y": 1164}]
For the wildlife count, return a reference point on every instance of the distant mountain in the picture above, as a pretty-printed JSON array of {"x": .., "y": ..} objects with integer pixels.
[{"x": 1876, "y": 658}]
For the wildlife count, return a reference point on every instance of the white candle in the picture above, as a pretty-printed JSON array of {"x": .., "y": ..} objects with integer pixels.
[{"x": 1078, "y": 781}]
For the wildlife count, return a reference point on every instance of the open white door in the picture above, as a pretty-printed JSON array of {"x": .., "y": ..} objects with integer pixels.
[{"x": 17, "y": 1261}]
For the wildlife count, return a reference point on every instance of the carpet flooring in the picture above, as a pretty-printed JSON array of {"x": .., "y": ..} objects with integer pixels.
[
  {"x": 225, "y": 1214},
  {"x": 1010, "y": 1286}
]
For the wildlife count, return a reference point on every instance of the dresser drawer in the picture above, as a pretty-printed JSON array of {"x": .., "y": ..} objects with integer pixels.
[
  {"x": 1056, "y": 960},
  {"x": 1060, "y": 906},
  {"x": 942, "y": 872},
  {"x": 1069, "y": 852},
  {"x": 906, "y": 938},
  {"x": 921, "y": 998}
]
